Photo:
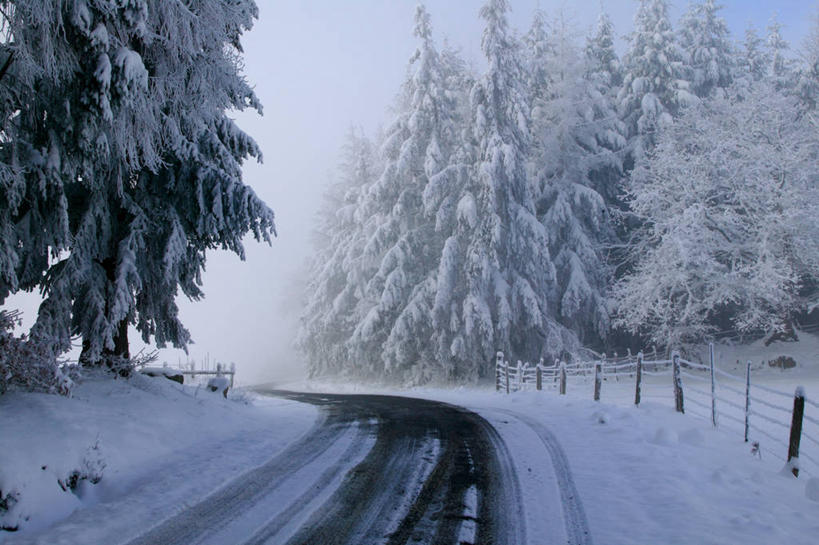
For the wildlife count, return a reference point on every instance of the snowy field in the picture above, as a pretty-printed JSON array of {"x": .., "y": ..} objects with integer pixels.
[{"x": 161, "y": 447}]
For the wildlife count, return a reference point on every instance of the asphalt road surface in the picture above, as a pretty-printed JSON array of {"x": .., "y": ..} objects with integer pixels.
[{"x": 378, "y": 469}]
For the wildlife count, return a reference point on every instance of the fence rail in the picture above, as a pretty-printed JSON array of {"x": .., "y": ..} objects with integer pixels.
[{"x": 729, "y": 400}]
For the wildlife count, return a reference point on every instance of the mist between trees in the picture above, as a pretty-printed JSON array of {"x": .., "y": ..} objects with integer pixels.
[{"x": 566, "y": 199}]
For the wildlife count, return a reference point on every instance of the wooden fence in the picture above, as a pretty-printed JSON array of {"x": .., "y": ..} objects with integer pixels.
[
  {"x": 190, "y": 370},
  {"x": 727, "y": 400}
]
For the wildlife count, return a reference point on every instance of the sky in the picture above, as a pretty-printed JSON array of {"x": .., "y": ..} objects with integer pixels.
[{"x": 320, "y": 67}]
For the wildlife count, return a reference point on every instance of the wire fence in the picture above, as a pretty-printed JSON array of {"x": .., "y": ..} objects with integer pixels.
[{"x": 773, "y": 421}]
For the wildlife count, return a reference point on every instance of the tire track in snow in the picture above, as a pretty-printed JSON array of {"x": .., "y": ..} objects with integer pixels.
[
  {"x": 230, "y": 501},
  {"x": 473, "y": 467},
  {"x": 574, "y": 515}
]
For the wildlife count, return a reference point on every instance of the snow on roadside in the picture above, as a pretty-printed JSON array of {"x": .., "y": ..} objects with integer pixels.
[
  {"x": 650, "y": 475},
  {"x": 647, "y": 474},
  {"x": 162, "y": 445}
]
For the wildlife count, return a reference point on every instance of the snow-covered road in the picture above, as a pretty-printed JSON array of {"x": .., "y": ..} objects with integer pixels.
[{"x": 383, "y": 469}]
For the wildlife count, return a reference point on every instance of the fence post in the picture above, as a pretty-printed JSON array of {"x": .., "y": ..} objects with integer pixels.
[
  {"x": 539, "y": 377},
  {"x": 678, "y": 390},
  {"x": 506, "y": 369},
  {"x": 598, "y": 380},
  {"x": 796, "y": 430},
  {"x": 232, "y": 373},
  {"x": 639, "y": 379},
  {"x": 713, "y": 388},
  {"x": 747, "y": 399},
  {"x": 498, "y": 365},
  {"x": 562, "y": 378}
]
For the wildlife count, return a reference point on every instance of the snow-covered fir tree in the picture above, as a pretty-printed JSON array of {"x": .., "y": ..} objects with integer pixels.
[
  {"x": 602, "y": 79},
  {"x": 705, "y": 39},
  {"x": 538, "y": 52},
  {"x": 780, "y": 65},
  {"x": 397, "y": 260},
  {"x": 576, "y": 150},
  {"x": 336, "y": 285},
  {"x": 509, "y": 296},
  {"x": 149, "y": 165},
  {"x": 654, "y": 86},
  {"x": 728, "y": 201},
  {"x": 808, "y": 85},
  {"x": 752, "y": 60}
]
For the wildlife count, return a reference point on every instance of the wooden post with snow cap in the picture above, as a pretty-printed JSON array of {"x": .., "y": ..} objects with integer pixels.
[
  {"x": 232, "y": 373},
  {"x": 539, "y": 376},
  {"x": 713, "y": 388},
  {"x": 637, "y": 389},
  {"x": 796, "y": 430},
  {"x": 678, "y": 389},
  {"x": 498, "y": 364},
  {"x": 747, "y": 400},
  {"x": 562, "y": 377},
  {"x": 506, "y": 368},
  {"x": 598, "y": 379}
]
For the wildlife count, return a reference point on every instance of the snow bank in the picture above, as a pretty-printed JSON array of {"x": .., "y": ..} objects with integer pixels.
[
  {"x": 649, "y": 474},
  {"x": 151, "y": 444}
]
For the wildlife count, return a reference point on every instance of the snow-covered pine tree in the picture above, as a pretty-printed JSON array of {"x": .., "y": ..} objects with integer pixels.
[
  {"x": 654, "y": 87},
  {"x": 752, "y": 60},
  {"x": 808, "y": 86},
  {"x": 508, "y": 296},
  {"x": 149, "y": 164},
  {"x": 36, "y": 79},
  {"x": 336, "y": 285},
  {"x": 576, "y": 150},
  {"x": 705, "y": 38},
  {"x": 402, "y": 250},
  {"x": 728, "y": 201},
  {"x": 602, "y": 78},
  {"x": 780, "y": 65},
  {"x": 538, "y": 49}
]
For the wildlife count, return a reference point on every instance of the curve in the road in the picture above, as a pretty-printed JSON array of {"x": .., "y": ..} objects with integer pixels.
[
  {"x": 374, "y": 469},
  {"x": 471, "y": 455}
]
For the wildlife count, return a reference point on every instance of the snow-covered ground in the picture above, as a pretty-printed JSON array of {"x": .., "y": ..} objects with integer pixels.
[
  {"x": 644, "y": 475},
  {"x": 630, "y": 475},
  {"x": 650, "y": 475},
  {"x": 158, "y": 446}
]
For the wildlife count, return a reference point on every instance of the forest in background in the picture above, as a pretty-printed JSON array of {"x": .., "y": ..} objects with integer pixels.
[{"x": 567, "y": 199}]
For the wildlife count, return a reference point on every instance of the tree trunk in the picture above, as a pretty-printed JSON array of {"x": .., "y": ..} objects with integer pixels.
[{"x": 115, "y": 358}]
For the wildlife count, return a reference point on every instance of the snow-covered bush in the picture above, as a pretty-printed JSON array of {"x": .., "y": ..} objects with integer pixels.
[
  {"x": 29, "y": 363},
  {"x": 91, "y": 468}
]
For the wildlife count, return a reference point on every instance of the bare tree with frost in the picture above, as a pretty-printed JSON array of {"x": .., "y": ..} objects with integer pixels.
[{"x": 729, "y": 201}]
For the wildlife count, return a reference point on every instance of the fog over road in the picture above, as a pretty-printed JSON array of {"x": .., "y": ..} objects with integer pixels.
[{"x": 379, "y": 469}]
